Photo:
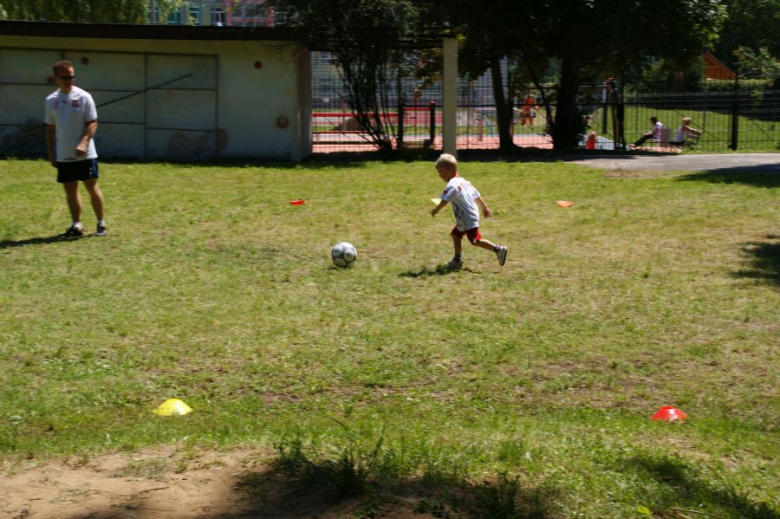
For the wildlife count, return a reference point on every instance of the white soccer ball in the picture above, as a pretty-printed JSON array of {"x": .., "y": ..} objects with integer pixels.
[{"x": 343, "y": 254}]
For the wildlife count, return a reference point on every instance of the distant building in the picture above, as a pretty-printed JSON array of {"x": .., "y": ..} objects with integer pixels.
[{"x": 715, "y": 69}]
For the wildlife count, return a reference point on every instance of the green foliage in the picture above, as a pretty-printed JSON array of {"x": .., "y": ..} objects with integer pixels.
[
  {"x": 757, "y": 64},
  {"x": 652, "y": 74},
  {"x": 727, "y": 85},
  {"x": 753, "y": 24},
  {"x": 364, "y": 37},
  {"x": 350, "y": 473},
  {"x": 644, "y": 511},
  {"x": 93, "y": 11},
  {"x": 599, "y": 37},
  {"x": 505, "y": 499}
]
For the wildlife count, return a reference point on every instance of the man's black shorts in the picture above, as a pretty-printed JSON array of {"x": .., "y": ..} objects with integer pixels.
[{"x": 77, "y": 170}]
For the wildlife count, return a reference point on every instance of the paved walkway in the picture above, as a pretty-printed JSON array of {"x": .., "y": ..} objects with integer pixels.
[{"x": 742, "y": 162}]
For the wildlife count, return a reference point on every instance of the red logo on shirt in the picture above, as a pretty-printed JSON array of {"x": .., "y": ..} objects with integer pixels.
[{"x": 75, "y": 103}]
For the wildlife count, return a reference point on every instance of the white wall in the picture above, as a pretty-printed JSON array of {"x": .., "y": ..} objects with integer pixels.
[{"x": 252, "y": 104}]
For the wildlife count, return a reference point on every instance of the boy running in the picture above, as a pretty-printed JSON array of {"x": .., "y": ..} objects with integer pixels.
[{"x": 465, "y": 200}]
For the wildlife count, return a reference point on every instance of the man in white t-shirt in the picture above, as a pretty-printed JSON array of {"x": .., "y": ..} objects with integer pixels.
[
  {"x": 71, "y": 123},
  {"x": 654, "y": 134},
  {"x": 466, "y": 203}
]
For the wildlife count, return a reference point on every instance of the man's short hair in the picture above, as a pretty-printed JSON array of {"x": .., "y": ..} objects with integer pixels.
[
  {"x": 447, "y": 162},
  {"x": 62, "y": 65}
]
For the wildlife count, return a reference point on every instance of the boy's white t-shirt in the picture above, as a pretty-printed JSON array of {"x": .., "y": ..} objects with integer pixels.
[
  {"x": 69, "y": 113},
  {"x": 463, "y": 197}
]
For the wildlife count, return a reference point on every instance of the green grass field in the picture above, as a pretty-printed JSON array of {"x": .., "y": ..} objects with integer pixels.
[{"x": 539, "y": 377}]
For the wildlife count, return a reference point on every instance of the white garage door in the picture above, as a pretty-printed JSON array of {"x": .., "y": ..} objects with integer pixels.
[{"x": 149, "y": 105}]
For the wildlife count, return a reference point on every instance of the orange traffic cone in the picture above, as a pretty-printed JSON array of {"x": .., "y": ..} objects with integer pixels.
[
  {"x": 590, "y": 144},
  {"x": 669, "y": 414}
]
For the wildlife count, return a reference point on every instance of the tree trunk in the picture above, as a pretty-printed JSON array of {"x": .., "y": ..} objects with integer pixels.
[
  {"x": 568, "y": 120},
  {"x": 503, "y": 110}
]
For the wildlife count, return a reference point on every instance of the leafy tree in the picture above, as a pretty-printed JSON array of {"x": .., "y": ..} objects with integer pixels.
[
  {"x": 587, "y": 38},
  {"x": 94, "y": 11},
  {"x": 366, "y": 38},
  {"x": 753, "y": 24},
  {"x": 756, "y": 64}
]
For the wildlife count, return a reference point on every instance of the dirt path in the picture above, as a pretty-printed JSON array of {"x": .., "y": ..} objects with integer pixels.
[
  {"x": 731, "y": 162},
  {"x": 172, "y": 483}
]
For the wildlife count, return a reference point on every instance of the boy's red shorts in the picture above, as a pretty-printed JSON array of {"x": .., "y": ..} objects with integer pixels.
[{"x": 472, "y": 234}]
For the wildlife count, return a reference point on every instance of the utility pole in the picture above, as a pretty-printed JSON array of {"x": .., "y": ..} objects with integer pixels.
[
  {"x": 450, "y": 96},
  {"x": 153, "y": 13}
]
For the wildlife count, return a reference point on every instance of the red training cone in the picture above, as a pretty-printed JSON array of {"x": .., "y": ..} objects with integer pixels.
[
  {"x": 296, "y": 202},
  {"x": 669, "y": 414}
]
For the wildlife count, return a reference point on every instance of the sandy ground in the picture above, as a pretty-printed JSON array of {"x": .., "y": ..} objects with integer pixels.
[{"x": 168, "y": 483}]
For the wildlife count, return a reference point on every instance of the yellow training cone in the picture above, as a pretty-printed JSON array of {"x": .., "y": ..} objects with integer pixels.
[{"x": 173, "y": 406}]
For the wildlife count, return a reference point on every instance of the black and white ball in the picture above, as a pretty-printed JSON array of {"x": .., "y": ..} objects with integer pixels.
[{"x": 343, "y": 254}]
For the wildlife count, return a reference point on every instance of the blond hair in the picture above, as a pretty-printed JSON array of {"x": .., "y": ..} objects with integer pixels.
[{"x": 447, "y": 162}]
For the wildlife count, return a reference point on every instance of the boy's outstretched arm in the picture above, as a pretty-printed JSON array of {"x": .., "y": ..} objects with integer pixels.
[
  {"x": 485, "y": 211},
  {"x": 438, "y": 207}
]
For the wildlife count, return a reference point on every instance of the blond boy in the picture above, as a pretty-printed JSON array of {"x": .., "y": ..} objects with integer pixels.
[{"x": 466, "y": 202}]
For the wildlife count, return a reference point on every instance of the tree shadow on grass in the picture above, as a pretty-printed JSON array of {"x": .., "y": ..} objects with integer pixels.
[
  {"x": 681, "y": 487},
  {"x": 757, "y": 176},
  {"x": 8, "y": 244},
  {"x": 370, "y": 480},
  {"x": 268, "y": 494},
  {"x": 352, "y": 484},
  {"x": 438, "y": 270},
  {"x": 341, "y": 495},
  {"x": 765, "y": 260}
]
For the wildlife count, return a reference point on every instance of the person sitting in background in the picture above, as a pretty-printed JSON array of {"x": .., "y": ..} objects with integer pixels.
[
  {"x": 655, "y": 133},
  {"x": 685, "y": 134}
]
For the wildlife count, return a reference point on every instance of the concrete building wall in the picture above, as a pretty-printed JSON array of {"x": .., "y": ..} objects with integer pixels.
[{"x": 241, "y": 98}]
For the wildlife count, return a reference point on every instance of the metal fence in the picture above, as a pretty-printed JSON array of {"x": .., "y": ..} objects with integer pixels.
[{"x": 736, "y": 119}]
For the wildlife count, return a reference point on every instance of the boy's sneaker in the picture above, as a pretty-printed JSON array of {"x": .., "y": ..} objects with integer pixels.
[
  {"x": 501, "y": 254},
  {"x": 73, "y": 231},
  {"x": 455, "y": 264},
  {"x": 101, "y": 230}
]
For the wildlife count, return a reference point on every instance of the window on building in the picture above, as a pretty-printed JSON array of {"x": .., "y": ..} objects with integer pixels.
[
  {"x": 218, "y": 17},
  {"x": 194, "y": 15}
]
